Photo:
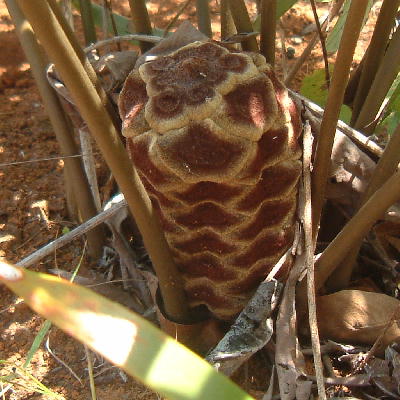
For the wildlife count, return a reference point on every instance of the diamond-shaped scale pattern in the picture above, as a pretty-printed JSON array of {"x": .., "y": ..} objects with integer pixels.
[{"x": 214, "y": 136}]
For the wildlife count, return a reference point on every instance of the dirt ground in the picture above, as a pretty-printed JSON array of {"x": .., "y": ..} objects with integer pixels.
[{"x": 33, "y": 212}]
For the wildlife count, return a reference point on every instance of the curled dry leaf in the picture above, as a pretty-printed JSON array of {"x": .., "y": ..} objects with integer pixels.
[{"x": 355, "y": 316}]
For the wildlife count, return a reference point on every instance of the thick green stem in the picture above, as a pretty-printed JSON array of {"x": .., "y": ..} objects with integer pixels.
[
  {"x": 243, "y": 23},
  {"x": 89, "y": 30},
  {"x": 340, "y": 77},
  {"x": 268, "y": 30},
  {"x": 62, "y": 126},
  {"x": 141, "y": 21},
  {"x": 375, "y": 53},
  {"x": 203, "y": 17},
  {"x": 386, "y": 74},
  {"x": 386, "y": 167},
  {"x": 91, "y": 108}
]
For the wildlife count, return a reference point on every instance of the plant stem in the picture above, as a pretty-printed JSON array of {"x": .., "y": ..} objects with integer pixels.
[
  {"x": 228, "y": 28},
  {"x": 203, "y": 17},
  {"x": 62, "y": 126},
  {"x": 243, "y": 23},
  {"x": 357, "y": 228},
  {"x": 307, "y": 51},
  {"x": 268, "y": 30},
  {"x": 353, "y": 232},
  {"x": 141, "y": 21},
  {"x": 85, "y": 62},
  {"x": 344, "y": 58},
  {"x": 91, "y": 108},
  {"x": 89, "y": 30},
  {"x": 322, "y": 40},
  {"x": 386, "y": 74},
  {"x": 385, "y": 168},
  {"x": 375, "y": 53}
]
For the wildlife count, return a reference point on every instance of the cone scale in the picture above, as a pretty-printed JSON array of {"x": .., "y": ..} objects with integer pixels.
[{"x": 214, "y": 136}]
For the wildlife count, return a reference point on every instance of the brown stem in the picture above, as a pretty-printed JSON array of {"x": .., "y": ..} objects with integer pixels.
[
  {"x": 375, "y": 53},
  {"x": 141, "y": 21},
  {"x": 203, "y": 17},
  {"x": 243, "y": 23},
  {"x": 322, "y": 40},
  {"x": 62, "y": 126},
  {"x": 344, "y": 58},
  {"x": 84, "y": 60},
  {"x": 268, "y": 30},
  {"x": 386, "y": 74},
  {"x": 385, "y": 168},
  {"x": 90, "y": 106}
]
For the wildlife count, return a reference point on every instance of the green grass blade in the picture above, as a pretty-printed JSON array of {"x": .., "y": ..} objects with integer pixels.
[{"x": 123, "y": 337}]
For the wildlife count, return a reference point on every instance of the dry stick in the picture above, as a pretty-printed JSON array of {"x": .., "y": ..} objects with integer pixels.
[
  {"x": 141, "y": 21},
  {"x": 375, "y": 53},
  {"x": 309, "y": 260},
  {"x": 228, "y": 28},
  {"x": 176, "y": 17},
  {"x": 307, "y": 51},
  {"x": 357, "y": 228},
  {"x": 283, "y": 50},
  {"x": 268, "y": 30},
  {"x": 118, "y": 39},
  {"x": 243, "y": 24},
  {"x": 323, "y": 46},
  {"x": 203, "y": 17},
  {"x": 61, "y": 124},
  {"x": 90, "y": 106},
  {"x": 87, "y": 226},
  {"x": 358, "y": 137},
  {"x": 385, "y": 168},
  {"x": 386, "y": 74},
  {"x": 340, "y": 77},
  {"x": 85, "y": 62}
]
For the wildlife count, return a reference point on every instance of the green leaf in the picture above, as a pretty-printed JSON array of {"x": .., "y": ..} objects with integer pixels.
[
  {"x": 314, "y": 88},
  {"x": 333, "y": 39},
  {"x": 123, "y": 337}
]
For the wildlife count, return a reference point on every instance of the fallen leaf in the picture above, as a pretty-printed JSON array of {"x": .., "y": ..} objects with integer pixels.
[{"x": 355, "y": 316}]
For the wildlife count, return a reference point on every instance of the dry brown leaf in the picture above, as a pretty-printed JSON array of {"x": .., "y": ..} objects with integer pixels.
[{"x": 355, "y": 316}]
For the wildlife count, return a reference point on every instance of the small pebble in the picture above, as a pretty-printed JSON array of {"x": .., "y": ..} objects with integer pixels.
[
  {"x": 296, "y": 40},
  {"x": 290, "y": 52}
]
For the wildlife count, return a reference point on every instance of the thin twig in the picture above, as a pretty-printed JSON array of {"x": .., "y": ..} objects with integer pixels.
[
  {"x": 118, "y": 39},
  {"x": 309, "y": 259},
  {"x": 307, "y": 51},
  {"x": 322, "y": 40},
  {"x": 90, "y": 372},
  {"x": 353, "y": 134},
  {"x": 70, "y": 236},
  {"x": 39, "y": 160},
  {"x": 379, "y": 339},
  {"x": 176, "y": 16}
]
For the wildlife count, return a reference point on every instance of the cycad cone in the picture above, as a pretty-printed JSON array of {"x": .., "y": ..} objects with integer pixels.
[{"x": 214, "y": 136}]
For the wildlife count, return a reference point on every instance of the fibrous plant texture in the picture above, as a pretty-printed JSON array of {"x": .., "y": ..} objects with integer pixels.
[{"x": 214, "y": 136}]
